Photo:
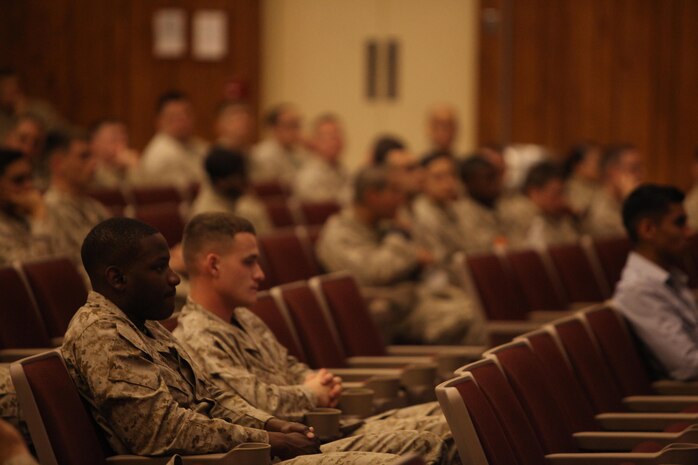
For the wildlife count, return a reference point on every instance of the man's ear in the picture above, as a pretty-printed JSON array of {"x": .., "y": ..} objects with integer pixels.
[
  {"x": 115, "y": 278},
  {"x": 212, "y": 264},
  {"x": 646, "y": 228}
]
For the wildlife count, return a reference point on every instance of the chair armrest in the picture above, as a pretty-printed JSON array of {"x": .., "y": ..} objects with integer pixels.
[
  {"x": 12, "y": 355},
  {"x": 677, "y": 454},
  {"x": 659, "y": 403},
  {"x": 545, "y": 316},
  {"x": 627, "y": 441},
  {"x": 140, "y": 460},
  {"x": 670, "y": 387},
  {"x": 643, "y": 421},
  {"x": 468, "y": 351},
  {"x": 575, "y": 306},
  {"x": 386, "y": 361},
  {"x": 57, "y": 341},
  {"x": 363, "y": 374},
  {"x": 503, "y": 331}
]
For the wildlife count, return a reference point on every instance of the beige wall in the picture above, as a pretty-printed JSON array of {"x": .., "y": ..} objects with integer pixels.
[{"x": 313, "y": 55}]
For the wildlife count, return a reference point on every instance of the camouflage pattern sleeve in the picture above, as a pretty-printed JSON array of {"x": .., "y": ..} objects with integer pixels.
[
  {"x": 137, "y": 401},
  {"x": 346, "y": 245},
  {"x": 287, "y": 402}
]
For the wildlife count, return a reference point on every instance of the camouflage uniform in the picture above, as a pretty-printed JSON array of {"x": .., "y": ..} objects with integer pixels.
[
  {"x": 437, "y": 228},
  {"x": 580, "y": 193},
  {"x": 169, "y": 161},
  {"x": 21, "y": 239},
  {"x": 319, "y": 181},
  {"x": 71, "y": 219},
  {"x": 150, "y": 398},
  {"x": 269, "y": 161},
  {"x": 480, "y": 227},
  {"x": 9, "y": 405},
  {"x": 247, "y": 206},
  {"x": 423, "y": 307},
  {"x": 604, "y": 218},
  {"x": 531, "y": 228},
  {"x": 246, "y": 357}
]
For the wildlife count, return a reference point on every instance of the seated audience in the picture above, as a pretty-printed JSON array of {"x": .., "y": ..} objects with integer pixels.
[
  {"x": 621, "y": 168},
  {"x": 174, "y": 155},
  {"x": 442, "y": 129},
  {"x": 653, "y": 292},
  {"x": 481, "y": 213},
  {"x": 72, "y": 213},
  {"x": 435, "y": 220},
  {"x": 234, "y": 126},
  {"x": 242, "y": 355},
  {"x": 13, "y": 451},
  {"x": 582, "y": 176},
  {"x": 117, "y": 163},
  {"x": 227, "y": 189},
  {"x": 392, "y": 153},
  {"x": 323, "y": 177},
  {"x": 280, "y": 156},
  {"x": 25, "y": 229},
  {"x": 393, "y": 270},
  {"x": 14, "y": 102},
  {"x": 143, "y": 389},
  {"x": 542, "y": 217}
]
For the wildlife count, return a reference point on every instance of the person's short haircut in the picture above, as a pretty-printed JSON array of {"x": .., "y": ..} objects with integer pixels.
[
  {"x": 575, "y": 156},
  {"x": 271, "y": 119},
  {"x": 169, "y": 96},
  {"x": 371, "y": 178},
  {"x": 325, "y": 118},
  {"x": 7, "y": 157},
  {"x": 230, "y": 105},
  {"x": 612, "y": 155},
  {"x": 472, "y": 166},
  {"x": 222, "y": 163},
  {"x": 541, "y": 174},
  {"x": 115, "y": 241},
  {"x": 58, "y": 141},
  {"x": 209, "y": 230},
  {"x": 97, "y": 125},
  {"x": 648, "y": 201},
  {"x": 434, "y": 155},
  {"x": 28, "y": 116},
  {"x": 383, "y": 146}
]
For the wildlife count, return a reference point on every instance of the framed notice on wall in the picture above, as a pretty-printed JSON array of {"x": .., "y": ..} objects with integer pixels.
[
  {"x": 209, "y": 35},
  {"x": 169, "y": 33}
]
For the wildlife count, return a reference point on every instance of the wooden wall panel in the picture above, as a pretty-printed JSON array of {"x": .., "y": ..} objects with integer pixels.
[
  {"x": 607, "y": 70},
  {"x": 94, "y": 59}
]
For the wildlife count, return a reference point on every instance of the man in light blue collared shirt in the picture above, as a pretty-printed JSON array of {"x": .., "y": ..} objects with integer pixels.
[{"x": 653, "y": 293}]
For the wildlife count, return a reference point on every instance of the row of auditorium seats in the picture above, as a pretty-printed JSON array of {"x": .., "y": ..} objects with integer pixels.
[
  {"x": 538, "y": 284},
  {"x": 166, "y": 207},
  {"x": 563, "y": 394}
]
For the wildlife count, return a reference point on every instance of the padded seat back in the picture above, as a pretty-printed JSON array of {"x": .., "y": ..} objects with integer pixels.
[
  {"x": 316, "y": 213},
  {"x": 499, "y": 292},
  {"x": 166, "y": 218},
  {"x": 341, "y": 294},
  {"x": 538, "y": 287},
  {"x": 21, "y": 325},
  {"x": 286, "y": 257},
  {"x": 318, "y": 338},
  {"x": 60, "y": 424},
  {"x": 612, "y": 253},
  {"x": 59, "y": 291},
  {"x": 278, "y": 321},
  {"x": 152, "y": 195},
  {"x": 619, "y": 350},
  {"x": 576, "y": 273}
]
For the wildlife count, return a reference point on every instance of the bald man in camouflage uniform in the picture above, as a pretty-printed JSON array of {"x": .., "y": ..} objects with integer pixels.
[
  {"x": 144, "y": 391},
  {"x": 423, "y": 307}
]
